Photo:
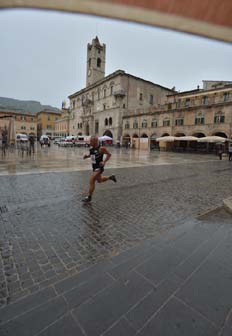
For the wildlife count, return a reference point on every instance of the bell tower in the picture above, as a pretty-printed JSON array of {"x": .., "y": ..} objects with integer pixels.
[{"x": 95, "y": 69}]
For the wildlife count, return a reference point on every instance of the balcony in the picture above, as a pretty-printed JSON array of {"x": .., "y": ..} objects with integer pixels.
[
  {"x": 119, "y": 93},
  {"x": 87, "y": 102}
]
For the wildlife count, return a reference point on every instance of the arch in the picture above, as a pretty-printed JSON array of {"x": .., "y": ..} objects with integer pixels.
[
  {"x": 154, "y": 145},
  {"x": 199, "y": 135},
  {"x": 108, "y": 133},
  {"x": 135, "y": 135},
  {"x": 220, "y": 134},
  {"x": 126, "y": 139},
  {"x": 79, "y": 133},
  {"x": 98, "y": 62},
  {"x": 144, "y": 135},
  {"x": 153, "y": 136},
  {"x": 179, "y": 134},
  {"x": 165, "y": 134}
]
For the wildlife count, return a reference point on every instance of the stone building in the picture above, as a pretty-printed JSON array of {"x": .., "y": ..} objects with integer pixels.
[
  {"x": 62, "y": 124},
  {"x": 46, "y": 122},
  {"x": 200, "y": 112},
  {"x": 99, "y": 108},
  {"x": 25, "y": 123}
]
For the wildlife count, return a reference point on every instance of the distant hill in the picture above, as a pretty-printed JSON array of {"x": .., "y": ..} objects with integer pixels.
[{"x": 24, "y": 105}]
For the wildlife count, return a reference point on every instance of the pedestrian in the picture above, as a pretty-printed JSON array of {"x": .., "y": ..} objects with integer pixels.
[
  {"x": 230, "y": 152},
  {"x": 96, "y": 153},
  {"x": 31, "y": 140},
  {"x": 220, "y": 151},
  {"x": 4, "y": 142}
]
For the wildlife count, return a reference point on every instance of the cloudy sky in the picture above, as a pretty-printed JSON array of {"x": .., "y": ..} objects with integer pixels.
[{"x": 43, "y": 54}]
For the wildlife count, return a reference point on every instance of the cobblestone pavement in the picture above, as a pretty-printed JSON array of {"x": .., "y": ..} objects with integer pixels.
[{"x": 47, "y": 234}]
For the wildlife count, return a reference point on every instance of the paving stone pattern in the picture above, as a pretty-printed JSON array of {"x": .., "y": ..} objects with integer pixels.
[
  {"x": 134, "y": 258},
  {"x": 188, "y": 294}
]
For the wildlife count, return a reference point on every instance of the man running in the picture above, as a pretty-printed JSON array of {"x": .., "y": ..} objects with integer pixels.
[{"x": 96, "y": 154}]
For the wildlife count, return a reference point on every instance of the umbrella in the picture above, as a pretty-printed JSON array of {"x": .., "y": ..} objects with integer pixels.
[
  {"x": 11, "y": 132},
  {"x": 168, "y": 138},
  {"x": 212, "y": 138},
  {"x": 188, "y": 138},
  {"x": 105, "y": 138}
]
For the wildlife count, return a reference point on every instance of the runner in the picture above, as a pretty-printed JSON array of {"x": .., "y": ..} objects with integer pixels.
[{"x": 96, "y": 154}]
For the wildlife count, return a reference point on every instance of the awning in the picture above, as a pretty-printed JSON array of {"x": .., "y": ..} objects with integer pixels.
[
  {"x": 212, "y": 138},
  {"x": 168, "y": 138},
  {"x": 210, "y": 18}
]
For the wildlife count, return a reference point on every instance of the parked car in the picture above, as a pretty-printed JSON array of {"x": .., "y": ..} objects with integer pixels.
[
  {"x": 21, "y": 137},
  {"x": 44, "y": 140},
  {"x": 58, "y": 140},
  {"x": 82, "y": 141},
  {"x": 69, "y": 141}
]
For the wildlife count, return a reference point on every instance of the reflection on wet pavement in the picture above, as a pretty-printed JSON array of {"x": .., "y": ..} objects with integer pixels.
[{"x": 57, "y": 159}]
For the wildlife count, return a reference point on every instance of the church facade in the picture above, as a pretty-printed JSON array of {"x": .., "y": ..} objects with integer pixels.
[{"x": 99, "y": 108}]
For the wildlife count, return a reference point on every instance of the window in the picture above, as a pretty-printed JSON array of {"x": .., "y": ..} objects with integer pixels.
[
  {"x": 187, "y": 102},
  {"x": 135, "y": 124},
  {"x": 49, "y": 117},
  {"x": 151, "y": 101},
  {"x": 104, "y": 106},
  {"x": 127, "y": 124},
  {"x": 49, "y": 127},
  {"x": 111, "y": 90},
  {"x": 23, "y": 118},
  {"x": 205, "y": 100},
  {"x": 106, "y": 122},
  {"x": 144, "y": 123},
  {"x": 104, "y": 93},
  {"x": 178, "y": 104},
  {"x": 110, "y": 121},
  {"x": 73, "y": 103},
  {"x": 141, "y": 97},
  {"x": 96, "y": 127},
  {"x": 98, "y": 94},
  {"x": 226, "y": 96},
  {"x": 32, "y": 119},
  {"x": 23, "y": 127},
  {"x": 169, "y": 106},
  {"x": 199, "y": 120},
  {"x": 219, "y": 118},
  {"x": 98, "y": 62},
  {"x": 80, "y": 125},
  {"x": 166, "y": 122},
  {"x": 89, "y": 62},
  {"x": 93, "y": 96},
  {"x": 154, "y": 123},
  {"x": 179, "y": 122},
  {"x": 124, "y": 106}
]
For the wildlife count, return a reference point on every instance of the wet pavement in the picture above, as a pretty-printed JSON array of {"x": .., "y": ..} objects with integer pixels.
[
  {"x": 58, "y": 159},
  {"x": 137, "y": 261}
]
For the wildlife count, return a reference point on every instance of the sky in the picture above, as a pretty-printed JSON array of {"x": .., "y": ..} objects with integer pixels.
[{"x": 43, "y": 54}]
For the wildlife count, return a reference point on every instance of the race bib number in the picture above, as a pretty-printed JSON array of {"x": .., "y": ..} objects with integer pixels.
[{"x": 93, "y": 158}]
